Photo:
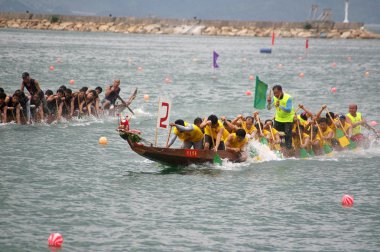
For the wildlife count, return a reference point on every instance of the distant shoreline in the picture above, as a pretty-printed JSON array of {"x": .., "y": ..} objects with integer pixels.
[{"x": 307, "y": 29}]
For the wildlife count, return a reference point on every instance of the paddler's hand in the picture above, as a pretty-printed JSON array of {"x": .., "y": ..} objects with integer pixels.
[
  {"x": 172, "y": 124},
  {"x": 277, "y": 104},
  {"x": 324, "y": 106},
  {"x": 215, "y": 149},
  {"x": 301, "y": 106}
]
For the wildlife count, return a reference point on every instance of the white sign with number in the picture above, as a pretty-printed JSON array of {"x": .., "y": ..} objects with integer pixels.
[{"x": 163, "y": 119}]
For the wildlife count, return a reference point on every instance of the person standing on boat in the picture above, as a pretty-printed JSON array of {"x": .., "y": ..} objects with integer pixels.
[
  {"x": 111, "y": 95},
  {"x": 356, "y": 120},
  {"x": 283, "y": 120},
  {"x": 237, "y": 142},
  {"x": 190, "y": 134},
  {"x": 33, "y": 88}
]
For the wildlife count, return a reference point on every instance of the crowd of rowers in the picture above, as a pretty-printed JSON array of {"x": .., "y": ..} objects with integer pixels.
[
  {"x": 288, "y": 132},
  {"x": 35, "y": 105}
]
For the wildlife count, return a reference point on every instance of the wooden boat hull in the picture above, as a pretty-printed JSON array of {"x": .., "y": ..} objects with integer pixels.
[{"x": 174, "y": 156}]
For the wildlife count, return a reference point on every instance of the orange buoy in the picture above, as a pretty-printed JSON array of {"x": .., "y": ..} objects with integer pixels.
[
  {"x": 103, "y": 141},
  {"x": 146, "y": 97}
]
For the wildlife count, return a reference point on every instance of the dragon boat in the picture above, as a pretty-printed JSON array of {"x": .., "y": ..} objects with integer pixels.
[{"x": 172, "y": 156}]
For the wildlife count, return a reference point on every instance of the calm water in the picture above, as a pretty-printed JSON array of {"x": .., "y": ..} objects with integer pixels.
[{"x": 56, "y": 178}]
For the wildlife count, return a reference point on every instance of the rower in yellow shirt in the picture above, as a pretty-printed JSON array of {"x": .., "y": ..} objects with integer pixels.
[
  {"x": 326, "y": 131},
  {"x": 214, "y": 131},
  {"x": 190, "y": 134},
  {"x": 237, "y": 142},
  {"x": 272, "y": 135},
  {"x": 246, "y": 124}
]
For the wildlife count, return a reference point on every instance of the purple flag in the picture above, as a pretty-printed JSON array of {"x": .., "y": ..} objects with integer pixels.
[{"x": 215, "y": 58}]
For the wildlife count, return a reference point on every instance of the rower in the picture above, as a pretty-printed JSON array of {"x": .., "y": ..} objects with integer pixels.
[
  {"x": 190, "y": 134},
  {"x": 214, "y": 131},
  {"x": 237, "y": 142}
]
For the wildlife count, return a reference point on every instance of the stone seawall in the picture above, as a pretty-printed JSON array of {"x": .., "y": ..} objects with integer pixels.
[{"x": 314, "y": 29}]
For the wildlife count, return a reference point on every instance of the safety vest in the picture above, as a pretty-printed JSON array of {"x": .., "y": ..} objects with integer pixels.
[
  {"x": 237, "y": 144},
  {"x": 358, "y": 118},
  {"x": 193, "y": 136},
  {"x": 281, "y": 115}
]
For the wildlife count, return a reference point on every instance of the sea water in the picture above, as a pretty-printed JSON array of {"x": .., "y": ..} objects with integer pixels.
[{"x": 57, "y": 178}]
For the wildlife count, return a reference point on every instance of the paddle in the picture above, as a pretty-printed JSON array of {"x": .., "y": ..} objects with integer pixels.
[
  {"x": 303, "y": 152},
  {"x": 276, "y": 146},
  {"x": 263, "y": 140},
  {"x": 311, "y": 153},
  {"x": 167, "y": 140},
  {"x": 342, "y": 138},
  {"x": 326, "y": 148},
  {"x": 216, "y": 159}
]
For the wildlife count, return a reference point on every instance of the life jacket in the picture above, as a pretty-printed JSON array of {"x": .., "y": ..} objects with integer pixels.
[
  {"x": 193, "y": 136},
  {"x": 237, "y": 144},
  {"x": 357, "y": 118},
  {"x": 282, "y": 116}
]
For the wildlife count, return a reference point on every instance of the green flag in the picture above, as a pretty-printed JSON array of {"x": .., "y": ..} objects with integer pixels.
[{"x": 260, "y": 94}]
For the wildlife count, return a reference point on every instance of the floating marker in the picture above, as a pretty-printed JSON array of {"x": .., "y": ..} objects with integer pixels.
[
  {"x": 72, "y": 82},
  {"x": 55, "y": 240},
  {"x": 139, "y": 69},
  {"x": 251, "y": 77},
  {"x": 333, "y": 65},
  {"x": 51, "y": 68},
  {"x": 347, "y": 200},
  {"x": 168, "y": 80},
  {"x": 103, "y": 141},
  {"x": 301, "y": 75},
  {"x": 373, "y": 123},
  {"x": 349, "y": 58},
  {"x": 146, "y": 97},
  {"x": 279, "y": 65},
  {"x": 248, "y": 92},
  {"x": 333, "y": 90},
  {"x": 366, "y": 74}
]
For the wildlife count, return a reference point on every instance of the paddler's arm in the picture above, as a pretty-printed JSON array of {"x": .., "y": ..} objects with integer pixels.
[
  {"x": 204, "y": 123},
  {"x": 172, "y": 140},
  {"x": 230, "y": 124},
  {"x": 22, "y": 87},
  {"x": 218, "y": 138},
  {"x": 318, "y": 115},
  {"x": 183, "y": 128},
  {"x": 228, "y": 144},
  {"x": 306, "y": 142},
  {"x": 301, "y": 106}
]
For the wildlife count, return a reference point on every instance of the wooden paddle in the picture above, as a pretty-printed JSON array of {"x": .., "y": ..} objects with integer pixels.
[
  {"x": 217, "y": 159},
  {"x": 326, "y": 148},
  {"x": 303, "y": 152},
  {"x": 342, "y": 138},
  {"x": 263, "y": 140},
  {"x": 311, "y": 153},
  {"x": 170, "y": 131},
  {"x": 276, "y": 146}
]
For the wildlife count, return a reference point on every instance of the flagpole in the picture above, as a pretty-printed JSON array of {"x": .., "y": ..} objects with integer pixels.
[{"x": 158, "y": 111}]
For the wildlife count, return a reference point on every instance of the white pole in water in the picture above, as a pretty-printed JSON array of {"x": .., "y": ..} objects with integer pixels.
[{"x": 346, "y": 12}]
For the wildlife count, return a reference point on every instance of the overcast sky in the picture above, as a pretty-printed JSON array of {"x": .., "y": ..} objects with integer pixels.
[{"x": 367, "y": 11}]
